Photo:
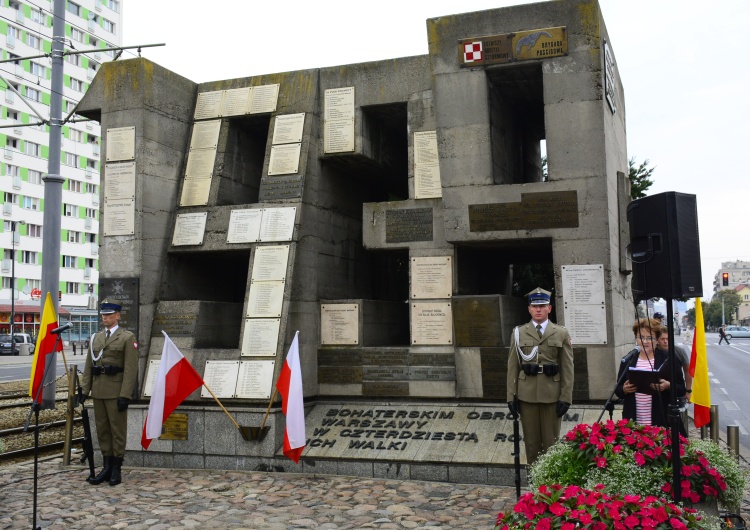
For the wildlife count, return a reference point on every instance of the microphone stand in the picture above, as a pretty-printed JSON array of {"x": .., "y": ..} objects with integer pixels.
[
  {"x": 35, "y": 408},
  {"x": 610, "y": 405}
]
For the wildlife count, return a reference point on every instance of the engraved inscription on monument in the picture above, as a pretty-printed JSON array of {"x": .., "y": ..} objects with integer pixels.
[
  {"x": 221, "y": 378},
  {"x": 281, "y": 187},
  {"x": 189, "y": 229},
  {"x": 585, "y": 304},
  {"x": 431, "y": 323},
  {"x": 288, "y": 128},
  {"x": 264, "y": 99},
  {"x": 426, "y": 166},
  {"x": 554, "y": 209},
  {"x": 431, "y": 277},
  {"x": 412, "y": 224},
  {"x": 339, "y": 324},
  {"x": 260, "y": 337},
  {"x": 174, "y": 324},
  {"x": 175, "y": 427},
  {"x": 270, "y": 262},
  {"x": 208, "y": 105},
  {"x": 235, "y": 101},
  {"x": 148, "y": 386},
  {"x": 277, "y": 224},
  {"x": 477, "y": 321},
  {"x": 284, "y": 159},
  {"x": 200, "y": 162},
  {"x": 120, "y": 144},
  {"x": 265, "y": 299},
  {"x": 119, "y": 181},
  {"x": 244, "y": 226},
  {"x": 255, "y": 379},
  {"x": 195, "y": 191},
  {"x": 338, "y": 121},
  {"x": 205, "y": 134},
  {"x": 119, "y": 217}
]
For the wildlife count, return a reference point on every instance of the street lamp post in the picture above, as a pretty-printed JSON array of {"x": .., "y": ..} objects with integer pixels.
[{"x": 13, "y": 283}]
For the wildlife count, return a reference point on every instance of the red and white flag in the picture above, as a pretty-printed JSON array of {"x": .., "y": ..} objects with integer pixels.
[
  {"x": 176, "y": 379},
  {"x": 289, "y": 386}
]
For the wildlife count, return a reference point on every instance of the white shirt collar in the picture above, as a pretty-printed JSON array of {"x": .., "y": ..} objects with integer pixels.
[
  {"x": 112, "y": 329},
  {"x": 543, "y": 324}
]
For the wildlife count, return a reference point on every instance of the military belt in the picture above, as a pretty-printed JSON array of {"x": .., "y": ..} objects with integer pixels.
[
  {"x": 106, "y": 370},
  {"x": 536, "y": 369}
]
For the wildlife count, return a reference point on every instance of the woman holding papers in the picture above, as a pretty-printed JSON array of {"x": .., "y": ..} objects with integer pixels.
[{"x": 645, "y": 388}]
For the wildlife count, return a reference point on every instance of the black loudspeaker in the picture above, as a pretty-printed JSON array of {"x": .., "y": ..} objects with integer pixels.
[{"x": 664, "y": 246}]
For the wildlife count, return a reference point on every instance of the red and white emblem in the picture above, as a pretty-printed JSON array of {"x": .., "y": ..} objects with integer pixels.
[
  {"x": 473, "y": 52},
  {"x": 135, "y": 345}
]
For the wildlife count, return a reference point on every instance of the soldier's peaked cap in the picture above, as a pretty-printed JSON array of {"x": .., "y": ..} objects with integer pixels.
[
  {"x": 538, "y": 297},
  {"x": 108, "y": 307}
]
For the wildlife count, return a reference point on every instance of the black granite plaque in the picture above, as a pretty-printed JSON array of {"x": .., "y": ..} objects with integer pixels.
[
  {"x": 287, "y": 187},
  {"x": 123, "y": 291},
  {"x": 339, "y": 357},
  {"x": 431, "y": 359},
  {"x": 175, "y": 324},
  {"x": 494, "y": 362},
  {"x": 413, "y": 224},
  {"x": 385, "y": 389},
  {"x": 339, "y": 375},
  {"x": 477, "y": 321},
  {"x": 432, "y": 373},
  {"x": 385, "y": 373},
  {"x": 553, "y": 209},
  {"x": 580, "y": 375},
  {"x": 385, "y": 357}
]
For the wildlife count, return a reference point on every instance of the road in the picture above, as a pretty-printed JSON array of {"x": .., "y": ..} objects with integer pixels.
[
  {"x": 13, "y": 368},
  {"x": 728, "y": 371}
]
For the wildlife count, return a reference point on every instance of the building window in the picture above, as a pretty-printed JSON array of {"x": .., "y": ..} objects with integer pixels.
[
  {"x": 11, "y": 170},
  {"x": 91, "y": 238},
  {"x": 11, "y": 142},
  {"x": 75, "y": 60},
  {"x": 76, "y": 35},
  {"x": 33, "y": 41},
  {"x": 35, "y": 177},
  {"x": 90, "y": 188},
  {"x": 69, "y": 210},
  {"x": 34, "y": 284},
  {"x": 71, "y": 159},
  {"x": 91, "y": 213},
  {"x": 91, "y": 163},
  {"x": 33, "y": 149},
  {"x": 69, "y": 262},
  {"x": 36, "y": 16},
  {"x": 30, "y": 203},
  {"x": 108, "y": 25},
  {"x": 74, "y": 186},
  {"x": 76, "y": 85},
  {"x": 74, "y": 8},
  {"x": 74, "y": 237},
  {"x": 37, "y": 69},
  {"x": 114, "y": 5},
  {"x": 33, "y": 230},
  {"x": 29, "y": 257},
  {"x": 6, "y": 282},
  {"x": 72, "y": 288},
  {"x": 90, "y": 262},
  {"x": 33, "y": 94},
  {"x": 76, "y": 136},
  {"x": 11, "y": 198}
]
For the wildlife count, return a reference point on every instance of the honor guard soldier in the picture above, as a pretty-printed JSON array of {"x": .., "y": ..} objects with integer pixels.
[
  {"x": 109, "y": 376},
  {"x": 540, "y": 375}
]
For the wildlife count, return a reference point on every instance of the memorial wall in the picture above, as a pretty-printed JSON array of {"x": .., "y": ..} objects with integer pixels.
[{"x": 393, "y": 212}]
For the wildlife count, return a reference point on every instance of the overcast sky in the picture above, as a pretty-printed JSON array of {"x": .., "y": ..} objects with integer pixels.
[{"x": 683, "y": 65}]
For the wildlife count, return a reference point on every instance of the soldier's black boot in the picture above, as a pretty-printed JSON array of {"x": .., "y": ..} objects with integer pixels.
[
  {"x": 116, "y": 476},
  {"x": 105, "y": 474}
]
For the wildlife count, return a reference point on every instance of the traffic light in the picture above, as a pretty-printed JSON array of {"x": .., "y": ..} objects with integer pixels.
[{"x": 725, "y": 278}]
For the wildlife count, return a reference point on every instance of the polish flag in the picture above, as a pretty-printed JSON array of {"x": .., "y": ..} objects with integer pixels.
[
  {"x": 289, "y": 386},
  {"x": 176, "y": 379}
]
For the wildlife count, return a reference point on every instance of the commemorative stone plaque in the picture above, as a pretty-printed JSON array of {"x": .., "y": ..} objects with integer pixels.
[
  {"x": 120, "y": 144},
  {"x": 189, "y": 229},
  {"x": 385, "y": 357},
  {"x": 255, "y": 379},
  {"x": 339, "y": 357},
  {"x": 153, "y": 368},
  {"x": 427, "y": 182},
  {"x": 431, "y": 277},
  {"x": 584, "y": 303},
  {"x": 432, "y": 373},
  {"x": 205, "y": 134},
  {"x": 261, "y": 336},
  {"x": 477, "y": 321},
  {"x": 288, "y": 128},
  {"x": 339, "y": 375},
  {"x": 431, "y": 323},
  {"x": 338, "y": 120},
  {"x": 384, "y": 389},
  {"x": 284, "y": 159},
  {"x": 277, "y": 224},
  {"x": 208, "y": 105},
  {"x": 412, "y": 224},
  {"x": 221, "y": 378},
  {"x": 281, "y": 187},
  {"x": 195, "y": 191},
  {"x": 265, "y": 299},
  {"x": 535, "y": 211},
  {"x": 339, "y": 103},
  {"x": 126, "y": 292},
  {"x": 270, "y": 262},
  {"x": 200, "y": 162},
  {"x": 119, "y": 217},
  {"x": 385, "y": 373},
  {"x": 339, "y": 324},
  {"x": 263, "y": 99},
  {"x": 175, "y": 325},
  {"x": 244, "y": 226},
  {"x": 119, "y": 181},
  {"x": 235, "y": 101},
  {"x": 494, "y": 362}
]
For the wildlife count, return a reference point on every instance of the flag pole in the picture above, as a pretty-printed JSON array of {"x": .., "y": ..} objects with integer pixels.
[
  {"x": 222, "y": 407},
  {"x": 268, "y": 410}
]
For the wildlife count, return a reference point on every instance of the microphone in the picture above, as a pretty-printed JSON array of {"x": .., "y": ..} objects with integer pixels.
[
  {"x": 629, "y": 356},
  {"x": 59, "y": 330}
]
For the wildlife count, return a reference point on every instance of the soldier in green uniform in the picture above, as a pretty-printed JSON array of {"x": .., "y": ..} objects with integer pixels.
[
  {"x": 540, "y": 375},
  {"x": 109, "y": 376}
]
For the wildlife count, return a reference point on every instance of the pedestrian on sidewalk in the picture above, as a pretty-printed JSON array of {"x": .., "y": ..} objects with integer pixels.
[
  {"x": 74, "y": 347},
  {"x": 723, "y": 334}
]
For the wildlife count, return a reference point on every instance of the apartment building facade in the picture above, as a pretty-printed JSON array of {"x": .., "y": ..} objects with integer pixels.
[{"x": 26, "y": 31}]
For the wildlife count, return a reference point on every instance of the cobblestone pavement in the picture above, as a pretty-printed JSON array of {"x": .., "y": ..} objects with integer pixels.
[{"x": 160, "y": 499}]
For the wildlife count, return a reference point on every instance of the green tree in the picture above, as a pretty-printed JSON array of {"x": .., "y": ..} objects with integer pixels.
[
  {"x": 640, "y": 178},
  {"x": 691, "y": 317},
  {"x": 712, "y": 311}
]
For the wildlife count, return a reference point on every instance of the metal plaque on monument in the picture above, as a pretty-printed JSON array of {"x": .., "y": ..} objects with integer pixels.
[
  {"x": 125, "y": 292},
  {"x": 477, "y": 321}
]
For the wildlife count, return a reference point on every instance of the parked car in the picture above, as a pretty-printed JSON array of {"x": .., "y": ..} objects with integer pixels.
[
  {"x": 738, "y": 332},
  {"x": 5, "y": 346}
]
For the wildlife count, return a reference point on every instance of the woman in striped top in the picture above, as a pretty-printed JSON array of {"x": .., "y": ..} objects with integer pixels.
[{"x": 649, "y": 408}]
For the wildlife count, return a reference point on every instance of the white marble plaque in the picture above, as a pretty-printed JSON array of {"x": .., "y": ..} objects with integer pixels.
[
  {"x": 208, "y": 105},
  {"x": 236, "y": 101},
  {"x": 120, "y": 144},
  {"x": 153, "y": 367},
  {"x": 339, "y": 324},
  {"x": 119, "y": 181},
  {"x": 221, "y": 378},
  {"x": 431, "y": 323},
  {"x": 260, "y": 337},
  {"x": 244, "y": 226},
  {"x": 427, "y": 183},
  {"x": 265, "y": 299},
  {"x": 255, "y": 379},
  {"x": 119, "y": 217},
  {"x": 284, "y": 159},
  {"x": 339, "y": 104},
  {"x": 200, "y": 162},
  {"x": 269, "y": 263},
  {"x": 584, "y": 303},
  {"x": 288, "y": 128},
  {"x": 277, "y": 224},
  {"x": 432, "y": 277},
  {"x": 338, "y": 136},
  {"x": 205, "y": 135},
  {"x": 263, "y": 99},
  {"x": 189, "y": 229},
  {"x": 425, "y": 148},
  {"x": 195, "y": 191}
]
